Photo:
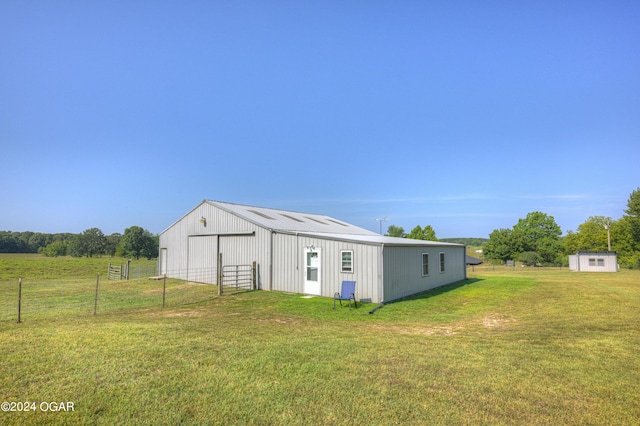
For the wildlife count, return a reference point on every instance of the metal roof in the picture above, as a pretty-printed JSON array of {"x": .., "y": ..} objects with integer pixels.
[
  {"x": 381, "y": 239},
  {"x": 314, "y": 225},
  {"x": 290, "y": 221},
  {"x": 473, "y": 260}
]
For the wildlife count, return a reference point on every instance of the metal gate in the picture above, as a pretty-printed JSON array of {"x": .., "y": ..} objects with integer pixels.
[
  {"x": 239, "y": 276},
  {"x": 119, "y": 272}
]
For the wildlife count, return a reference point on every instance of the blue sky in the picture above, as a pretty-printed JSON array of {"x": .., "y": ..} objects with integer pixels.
[{"x": 462, "y": 115}]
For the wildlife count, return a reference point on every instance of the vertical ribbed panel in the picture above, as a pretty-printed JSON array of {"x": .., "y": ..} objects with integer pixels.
[
  {"x": 191, "y": 250},
  {"x": 289, "y": 266},
  {"x": 202, "y": 264},
  {"x": 403, "y": 269}
]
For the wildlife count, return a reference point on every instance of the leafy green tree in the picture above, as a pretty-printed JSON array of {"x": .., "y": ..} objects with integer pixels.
[
  {"x": 38, "y": 241},
  {"x": 137, "y": 242},
  {"x": 9, "y": 242},
  {"x": 395, "y": 231},
  {"x": 626, "y": 235},
  {"x": 152, "y": 249},
  {"x": 536, "y": 233},
  {"x": 427, "y": 233},
  {"x": 55, "y": 249},
  {"x": 590, "y": 236},
  {"x": 622, "y": 242},
  {"x": 24, "y": 238},
  {"x": 502, "y": 245},
  {"x": 570, "y": 242},
  {"x": 530, "y": 258},
  {"x": 91, "y": 242},
  {"x": 539, "y": 232},
  {"x": 632, "y": 215},
  {"x": 113, "y": 241},
  {"x": 28, "y": 242},
  {"x": 75, "y": 247},
  {"x": 633, "y": 204}
]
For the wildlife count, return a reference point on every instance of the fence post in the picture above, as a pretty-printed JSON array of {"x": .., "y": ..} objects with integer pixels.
[
  {"x": 19, "y": 297},
  {"x": 220, "y": 274},
  {"x": 164, "y": 289},
  {"x": 253, "y": 275},
  {"x": 128, "y": 268},
  {"x": 95, "y": 303}
]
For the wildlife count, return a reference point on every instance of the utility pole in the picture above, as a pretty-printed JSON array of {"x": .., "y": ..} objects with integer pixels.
[
  {"x": 382, "y": 219},
  {"x": 608, "y": 228}
]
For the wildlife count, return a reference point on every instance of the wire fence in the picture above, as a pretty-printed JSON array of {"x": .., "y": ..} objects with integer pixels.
[
  {"x": 28, "y": 299},
  {"x": 138, "y": 270},
  {"x": 489, "y": 267}
]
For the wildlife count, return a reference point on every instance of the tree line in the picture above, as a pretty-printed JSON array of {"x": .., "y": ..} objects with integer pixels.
[
  {"x": 136, "y": 242},
  {"x": 418, "y": 233},
  {"x": 537, "y": 239}
]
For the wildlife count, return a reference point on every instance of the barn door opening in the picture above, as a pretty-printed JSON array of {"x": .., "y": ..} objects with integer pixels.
[
  {"x": 202, "y": 259},
  {"x": 312, "y": 270}
]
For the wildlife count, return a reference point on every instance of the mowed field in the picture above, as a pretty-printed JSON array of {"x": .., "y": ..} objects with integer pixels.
[{"x": 506, "y": 346}]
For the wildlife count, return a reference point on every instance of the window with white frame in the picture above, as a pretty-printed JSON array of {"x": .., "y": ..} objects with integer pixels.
[
  {"x": 425, "y": 264},
  {"x": 596, "y": 261},
  {"x": 346, "y": 257},
  {"x": 441, "y": 262}
]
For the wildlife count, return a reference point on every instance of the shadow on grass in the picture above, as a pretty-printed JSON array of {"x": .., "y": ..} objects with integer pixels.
[{"x": 436, "y": 291}]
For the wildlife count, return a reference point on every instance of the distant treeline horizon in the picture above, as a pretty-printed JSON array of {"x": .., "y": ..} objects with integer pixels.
[
  {"x": 30, "y": 242},
  {"x": 35, "y": 242}
]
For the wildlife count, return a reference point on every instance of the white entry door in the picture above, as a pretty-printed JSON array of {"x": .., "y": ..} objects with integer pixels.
[{"x": 312, "y": 269}]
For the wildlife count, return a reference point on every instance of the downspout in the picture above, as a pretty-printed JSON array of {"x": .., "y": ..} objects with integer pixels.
[
  {"x": 271, "y": 262},
  {"x": 219, "y": 265},
  {"x": 464, "y": 261},
  {"x": 380, "y": 280}
]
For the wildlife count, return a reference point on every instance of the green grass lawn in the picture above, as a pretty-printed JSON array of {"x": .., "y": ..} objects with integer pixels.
[
  {"x": 504, "y": 347},
  {"x": 66, "y": 286},
  {"x": 36, "y": 266}
]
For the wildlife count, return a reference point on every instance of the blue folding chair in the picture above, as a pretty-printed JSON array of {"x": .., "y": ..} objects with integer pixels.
[{"x": 348, "y": 292}]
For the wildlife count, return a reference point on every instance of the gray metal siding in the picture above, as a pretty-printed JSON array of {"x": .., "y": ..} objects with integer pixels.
[
  {"x": 191, "y": 248},
  {"x": 201, "y": 263},
  {"x": 246, "y": 249},
  {"x": 365, "y": 269},
  {"x": 191, "y": 245},
  {"x": 289, "y": 264},
  {"x": 403, "y": 269}
]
